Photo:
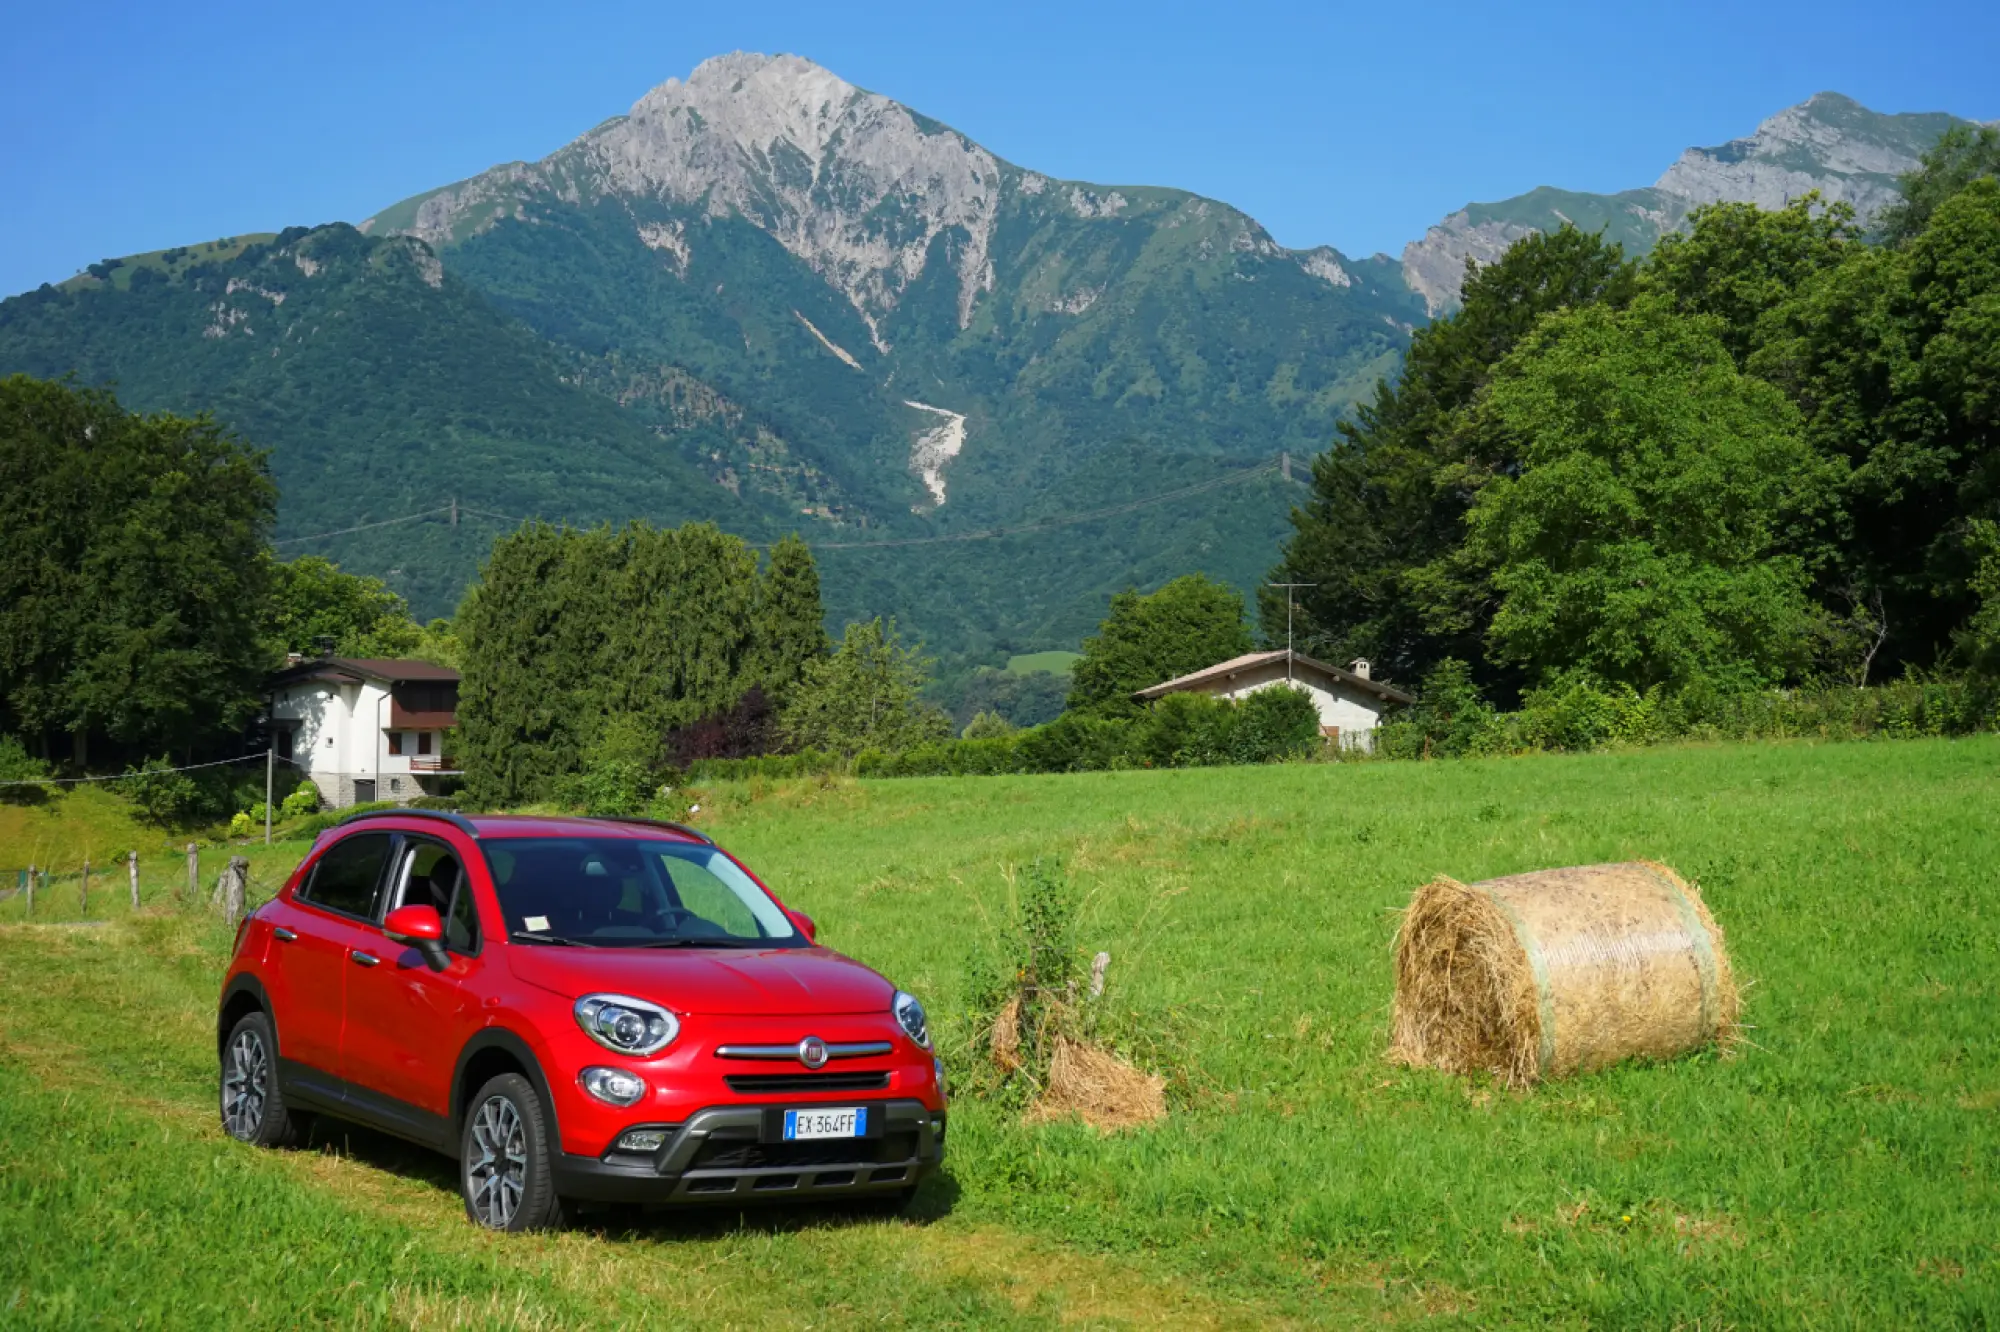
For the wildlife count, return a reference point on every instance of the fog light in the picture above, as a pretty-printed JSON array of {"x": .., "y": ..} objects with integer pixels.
[
  {"x": 642, "y": 1140},
  {"x": 613, "y": 1085}
]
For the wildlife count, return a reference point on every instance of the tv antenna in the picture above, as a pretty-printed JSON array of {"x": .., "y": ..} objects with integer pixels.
[{"x": 1289, "y": 588}]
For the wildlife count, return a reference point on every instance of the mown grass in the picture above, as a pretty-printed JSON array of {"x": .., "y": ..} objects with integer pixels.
[
  {"x": 1056, "y": 662},
  {"x": 1839, "y": 1171}
]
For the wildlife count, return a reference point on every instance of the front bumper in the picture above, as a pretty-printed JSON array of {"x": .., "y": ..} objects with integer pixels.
[{"x": 736, "y": 1154}]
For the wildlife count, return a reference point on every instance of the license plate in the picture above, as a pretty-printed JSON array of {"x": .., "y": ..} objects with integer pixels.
[{"x": 801, "y": 1125}]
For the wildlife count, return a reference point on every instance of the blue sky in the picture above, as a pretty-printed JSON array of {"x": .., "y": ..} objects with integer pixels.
[{"x": 129, "y": 127}]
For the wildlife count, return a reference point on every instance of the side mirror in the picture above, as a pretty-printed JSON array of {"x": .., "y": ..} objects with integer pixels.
[
  {"x": 805, "y": 925},
  {"x": 420, "y": 928}
]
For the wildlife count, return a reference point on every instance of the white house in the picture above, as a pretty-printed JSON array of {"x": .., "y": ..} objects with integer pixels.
[
  {"x": 1350, "y": 703},
  {"x": 365, "y": 728}
]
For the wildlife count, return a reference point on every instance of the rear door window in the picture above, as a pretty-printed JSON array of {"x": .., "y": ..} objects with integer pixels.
[{"x": 347, "y": 876}]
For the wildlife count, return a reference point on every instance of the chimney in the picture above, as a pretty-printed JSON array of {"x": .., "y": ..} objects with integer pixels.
[{"x": 1360, "y": 667}]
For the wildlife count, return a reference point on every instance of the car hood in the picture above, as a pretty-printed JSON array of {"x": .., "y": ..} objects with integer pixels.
[{"x": 777, "y": 982}]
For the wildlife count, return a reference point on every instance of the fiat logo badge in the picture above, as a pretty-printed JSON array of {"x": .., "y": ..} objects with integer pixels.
[{"x": 813, "y": 1052}]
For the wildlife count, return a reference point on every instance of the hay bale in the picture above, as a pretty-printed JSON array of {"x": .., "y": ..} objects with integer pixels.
[
  {"x": 1541, "y": 975},
  {"x": 1099, "y": 1088}
]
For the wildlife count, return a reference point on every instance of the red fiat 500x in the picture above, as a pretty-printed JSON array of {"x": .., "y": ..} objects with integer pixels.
[{"x": 591, "y": 1009}]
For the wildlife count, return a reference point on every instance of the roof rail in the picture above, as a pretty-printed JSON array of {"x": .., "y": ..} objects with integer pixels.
[
  {"x": 458, "y": 821},
  {"x": 695, "y": 833}
]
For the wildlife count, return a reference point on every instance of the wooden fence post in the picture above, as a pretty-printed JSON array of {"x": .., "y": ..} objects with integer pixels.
[
  {"x": 194, "y": 873},
  {"x": 83, "y": 890},
  {"x": 132, "y": 872},
  {"x": 235, "y": 880}
]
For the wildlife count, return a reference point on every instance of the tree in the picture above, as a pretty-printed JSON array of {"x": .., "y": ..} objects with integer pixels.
[
  {"x": 1660, "y": 530},
  {"x": 1190, "y": 623},
  {"x": 1963, "y": 154},
  {"x": 1894, "y": 358},
  {"x": 1737, "y": 261},
  {"x": 791, "y": 624},
  {"x": 133, "y": 575},
  {"x": 1390, "y": 496},
  {"x": 313, "y": 604},
  {"x": 867, "y": 695},
  {"x": 590, "y": 647}
]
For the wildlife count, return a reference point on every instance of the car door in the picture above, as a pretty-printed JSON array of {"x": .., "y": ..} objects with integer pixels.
[
  {"x": 405, "y": 1022},
  {"x": 315, "y": 940}
]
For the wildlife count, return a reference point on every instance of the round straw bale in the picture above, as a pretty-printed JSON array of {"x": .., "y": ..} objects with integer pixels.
[{"x": 1540, "y": 975}]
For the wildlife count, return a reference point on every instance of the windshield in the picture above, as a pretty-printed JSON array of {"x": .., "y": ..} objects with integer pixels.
[{"x": 622, "y": 892}]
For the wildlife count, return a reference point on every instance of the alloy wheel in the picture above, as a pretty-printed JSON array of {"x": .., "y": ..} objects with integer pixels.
[
  {"x": 244, "y": 1086},
  {"x": 498, "y": 1175}
]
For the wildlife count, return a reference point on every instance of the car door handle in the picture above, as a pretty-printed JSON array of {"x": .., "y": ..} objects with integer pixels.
[
  {"x": 364, "y": 959},
  {"x": 283, "y": 935}
]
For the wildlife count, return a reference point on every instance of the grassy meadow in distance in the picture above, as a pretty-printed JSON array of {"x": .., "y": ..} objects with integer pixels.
[
  {"x": 1838, "y": 1171},
  {"x": 1056, "y": 662}
]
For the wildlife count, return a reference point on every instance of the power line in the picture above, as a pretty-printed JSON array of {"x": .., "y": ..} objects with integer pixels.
[
  {"x": 984, "y": 534},
  {"x": 386, "y": 522},
  {"x": 127, "y": 776}
]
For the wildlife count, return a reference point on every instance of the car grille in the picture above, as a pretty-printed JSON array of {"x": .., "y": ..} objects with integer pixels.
[
  {"x": 724, "y": 1154},
  {"x": 755, "y": 1083}
]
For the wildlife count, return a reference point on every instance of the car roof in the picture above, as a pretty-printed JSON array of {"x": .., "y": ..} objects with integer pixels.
[
  {"x": 504, "y": 826},
  {"x": 574, "y": 825}
]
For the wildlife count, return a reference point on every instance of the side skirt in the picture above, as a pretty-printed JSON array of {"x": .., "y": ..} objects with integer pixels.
[{"x": 310, "y": 1088}]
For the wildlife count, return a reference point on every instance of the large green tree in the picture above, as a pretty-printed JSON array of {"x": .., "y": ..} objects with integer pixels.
[
  {"x": 791, "y": 623},
  {"x": 1964, "y": 154},
  {"x": 1190, "y": 623},
  {"x": 133, "y": 573},
  {"x": 1660, "y": 527},
  {"x": 582, "y": 647},
  {"x": 1894, "y": 359},
  {"x": 1389, "y": 497},
  {"x": 867, "y": 695}
]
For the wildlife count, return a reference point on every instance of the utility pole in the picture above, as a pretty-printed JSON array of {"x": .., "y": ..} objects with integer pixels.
[
  {"x": 270, "y": 759},
  {"x": 454, "y": 511},
  {"x": 1289, "y": 588}
]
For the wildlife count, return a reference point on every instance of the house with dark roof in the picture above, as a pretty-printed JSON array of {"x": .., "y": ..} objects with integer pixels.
[
  {"x": 365, "y": 728},
  {"x": 1350, "y": 703}
]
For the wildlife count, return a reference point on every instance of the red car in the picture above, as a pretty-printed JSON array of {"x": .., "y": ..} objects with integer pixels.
[{"x": 587, "y": 1009}]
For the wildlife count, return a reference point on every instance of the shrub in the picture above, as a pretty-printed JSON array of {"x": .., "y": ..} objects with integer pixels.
[
  {"x": 304, "y": 799},
  {"x": 241, "y": 824},
  {"x": 987, "y": 726},
  {"x": 16, "y": 765},
  {"x": 607, "y": 788},
  {"x": 168, "y": 798}
]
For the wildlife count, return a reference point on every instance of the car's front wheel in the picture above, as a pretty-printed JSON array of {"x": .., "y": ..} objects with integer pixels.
[
  {"x": 506, "y": 1167},
  {"x": 253, "y": 1108}
]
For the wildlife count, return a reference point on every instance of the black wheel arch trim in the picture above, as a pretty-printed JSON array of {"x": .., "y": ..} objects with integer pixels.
[
  {"x": 499, "y": 1038},
  {"x": 245, "y": 984}
]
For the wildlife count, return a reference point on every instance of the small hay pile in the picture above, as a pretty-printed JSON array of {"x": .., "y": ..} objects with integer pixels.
[
  {"x": 1083, "y": 1081},
  {"x": 1541, "y": 975}
]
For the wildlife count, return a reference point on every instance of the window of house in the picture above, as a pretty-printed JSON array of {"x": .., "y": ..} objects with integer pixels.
[
  {"x": 395, "y": 742},
  {"x": 283, "y": 741},
  {"x": 395, "y": 783},
  {"x": 423, "y": 742}
]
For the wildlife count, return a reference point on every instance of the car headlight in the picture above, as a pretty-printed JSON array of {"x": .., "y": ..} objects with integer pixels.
[
  {"x": 629, "y": 1026},
  {"x": 910, "y": 1015}
]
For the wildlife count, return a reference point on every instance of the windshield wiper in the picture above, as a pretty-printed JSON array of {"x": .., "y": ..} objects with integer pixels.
[
  {"x": 535, "y": 936},
  {"x": 715, "y": 942}
]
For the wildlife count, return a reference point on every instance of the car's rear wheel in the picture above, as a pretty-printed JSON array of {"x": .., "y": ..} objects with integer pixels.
[
  {"x": 506, "y": 1166},
  {"x": 253, "y": 1107}
]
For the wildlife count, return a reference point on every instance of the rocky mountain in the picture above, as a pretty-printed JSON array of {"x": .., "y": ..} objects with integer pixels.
[
  {"x": 1828, "y": 143},
  {"x": 769, "y": 298}
]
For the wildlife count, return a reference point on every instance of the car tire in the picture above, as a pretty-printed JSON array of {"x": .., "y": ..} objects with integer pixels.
[
  {"x": 506, "y": 1165},
  {"x": 252, "y": 1105}
]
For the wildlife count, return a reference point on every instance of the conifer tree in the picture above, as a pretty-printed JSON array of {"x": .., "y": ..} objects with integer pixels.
[{"x": 791, "y": 624}]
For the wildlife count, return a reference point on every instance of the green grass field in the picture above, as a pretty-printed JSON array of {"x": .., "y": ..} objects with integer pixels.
[
  {"x": 1054, "y": 662},
  {"x": 1838, "y": 1172}
]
